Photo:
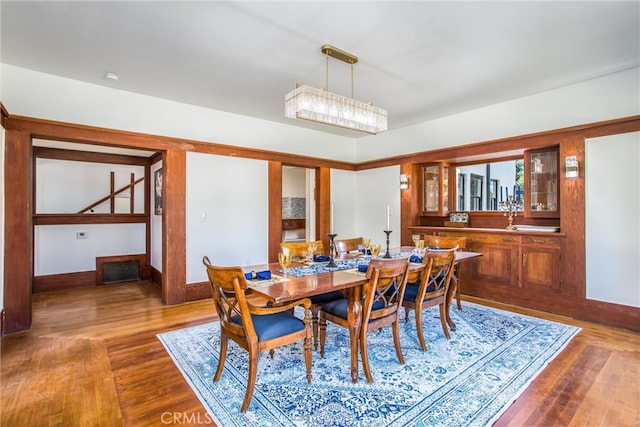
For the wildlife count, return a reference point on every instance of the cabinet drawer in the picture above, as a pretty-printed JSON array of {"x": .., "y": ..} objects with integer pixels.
[
  {"x": 494, "y": 238},
  {"x": 541, "y": 240}
]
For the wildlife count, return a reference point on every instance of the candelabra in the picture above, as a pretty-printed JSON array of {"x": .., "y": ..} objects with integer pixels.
[
  {"x": 510, "y": 207},
  {"x": 331, "y": 247},
  {"x": 387, "y": 254}
]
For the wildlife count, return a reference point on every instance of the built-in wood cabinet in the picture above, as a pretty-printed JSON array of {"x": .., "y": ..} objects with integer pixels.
[
  {"x": 541, "y": 195},
  {"x": 515, "y": 267},
  {"x": 499, "y": 261},
  {"x": 541, "y": 258}
]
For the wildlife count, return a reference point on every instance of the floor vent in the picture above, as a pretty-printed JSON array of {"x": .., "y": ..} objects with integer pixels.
[
  {"x": 117, "y": 269},
  {"x": 120, "y": 271}
]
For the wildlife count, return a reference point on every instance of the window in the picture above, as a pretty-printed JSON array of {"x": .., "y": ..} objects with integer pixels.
[{"x": 475, "y": 193}]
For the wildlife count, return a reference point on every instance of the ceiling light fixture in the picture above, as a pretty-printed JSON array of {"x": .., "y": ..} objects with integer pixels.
[
  {"x": 320, "y": 105},
  {"x": 111, "y": 76}
]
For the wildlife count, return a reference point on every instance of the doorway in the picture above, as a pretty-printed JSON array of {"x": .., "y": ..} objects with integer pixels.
[{"x": 298, "y": 204}]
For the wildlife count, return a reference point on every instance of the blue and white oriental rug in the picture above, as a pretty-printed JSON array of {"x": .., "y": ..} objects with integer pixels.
[{"x": 469, "y": 380}]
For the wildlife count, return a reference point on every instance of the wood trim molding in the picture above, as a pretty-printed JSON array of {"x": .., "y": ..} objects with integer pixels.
[
  {"x": 88, "y": 156},
  {"x": 275, "y": 209},
  {"x": 58, "y": 282},
  {"x": 174, "y": 242},
  {"x": 82, "y": 134},
  {"x": 89, "y": 218},
  {"x": 18, "y": 244},
  {"x": 508, "y": 146},
  {"x": 198, "y": 291}
]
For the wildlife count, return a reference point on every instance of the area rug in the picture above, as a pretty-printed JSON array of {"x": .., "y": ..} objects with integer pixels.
[{"x": 468, "y": 380}]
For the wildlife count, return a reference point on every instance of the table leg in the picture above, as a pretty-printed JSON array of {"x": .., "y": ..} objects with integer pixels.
[
  {"x": 449, "y": 297},
  {"x": 354, "y": 317}
]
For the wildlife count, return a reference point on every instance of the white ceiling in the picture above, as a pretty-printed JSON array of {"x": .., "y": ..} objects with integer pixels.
[{"x": 420, "y": 60}]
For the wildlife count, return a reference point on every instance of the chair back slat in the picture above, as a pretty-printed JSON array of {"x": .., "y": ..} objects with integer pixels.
[
  {"x": 301, "y": 249},
  {"x": 436, "y": 278},
  {"x": 349, "y": 245},
  {"x": 384, "y": 291}
]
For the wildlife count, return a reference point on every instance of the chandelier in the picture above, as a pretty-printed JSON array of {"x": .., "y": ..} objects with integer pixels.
[{"x": 320, "y": 105}]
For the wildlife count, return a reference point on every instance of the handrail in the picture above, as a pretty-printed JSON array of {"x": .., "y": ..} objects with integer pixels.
[{"x": 111, "y": 196}]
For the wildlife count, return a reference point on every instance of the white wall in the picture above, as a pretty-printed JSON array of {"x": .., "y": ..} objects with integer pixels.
[
  {"x": 360, "y": 198},
  {"x": 360, "y": 202},
  {"x": 236, "y": 212},
  {"x": 65, "y": 186},
  {"x": 293, "y": 182},
  {"x": 2, "y": 192},
  {"x": 377, "y": 188},
  {"x": 57, "y": 250},
  {"x": 41, "y": 95},
  {"x": 609, "y": 97},
  {"x": 612, "y": 198}
]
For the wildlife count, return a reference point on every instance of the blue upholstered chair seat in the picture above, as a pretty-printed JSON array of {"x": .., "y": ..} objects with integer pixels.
[
  {"x": 411, "y": 292},
  {"x": 328, "y": 297},
  {"x": 271, "y": 326},
  {"x": 339, "y": 308}
]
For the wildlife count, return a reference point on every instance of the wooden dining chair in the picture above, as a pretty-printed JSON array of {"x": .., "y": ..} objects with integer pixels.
[
  {"x": 300, "y": 250},
  {"x": 449, "y": 242},
  {"x": 382, "y": 299},
  {"x": 254, "y": 328},
  {"x": 431, "y": 289},
  {"x": 344, "y": 246}
]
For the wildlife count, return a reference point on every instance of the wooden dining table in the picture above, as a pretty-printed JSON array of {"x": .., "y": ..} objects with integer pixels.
[{"x": 348, "y": 282}]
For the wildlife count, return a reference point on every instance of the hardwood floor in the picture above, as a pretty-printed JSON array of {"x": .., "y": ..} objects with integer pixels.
[{"x": 92, "y": 358}]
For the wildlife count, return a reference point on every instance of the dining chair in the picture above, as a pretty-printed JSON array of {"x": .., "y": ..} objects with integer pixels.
[
  {"x": 449, "y": 242},
  {"x": 382, "y": 299},
  {"x": 300, "y": 250},
  {"x": 254, "y": 328},
  {"x": 344, "y": 246},
  {"x": 431, "y": 289}
]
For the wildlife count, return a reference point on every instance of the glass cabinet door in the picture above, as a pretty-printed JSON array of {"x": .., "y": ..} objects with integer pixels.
[
  {"x": 543, "y": 200},
  {"x": 436, "y": 189}
]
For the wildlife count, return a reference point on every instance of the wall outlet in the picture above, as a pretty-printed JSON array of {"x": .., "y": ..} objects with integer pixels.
[{"x": 81, "y": 235}]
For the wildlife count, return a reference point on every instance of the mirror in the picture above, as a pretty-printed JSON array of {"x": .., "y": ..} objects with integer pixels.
[{"x": 479, "y": 187}]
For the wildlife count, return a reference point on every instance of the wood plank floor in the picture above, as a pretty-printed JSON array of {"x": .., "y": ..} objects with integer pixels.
[{"x": 92, "y": 358}]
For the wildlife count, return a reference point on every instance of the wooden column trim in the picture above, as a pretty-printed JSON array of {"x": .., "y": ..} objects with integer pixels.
[
  {"x": 18, "y": 253},
  {"x": 408, "y": 202},
  {"x": 323, "y": 205},
  {"x": 275, "y": 209},
  {"x": 174, "y": 246}
]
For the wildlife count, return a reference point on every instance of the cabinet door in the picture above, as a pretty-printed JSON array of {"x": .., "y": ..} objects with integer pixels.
[
  {"x": 541, "y": 170},
  {"x": 498, "y": 264},
  {"x": 541, "y": 267},
  {"x": 435, "y": 182}
]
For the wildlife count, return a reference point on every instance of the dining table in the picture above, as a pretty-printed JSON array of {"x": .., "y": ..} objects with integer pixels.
[{"x": 307, "y": 279}]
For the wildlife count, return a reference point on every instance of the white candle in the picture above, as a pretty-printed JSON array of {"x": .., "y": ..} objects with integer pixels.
[
  {"x": 331, "y": 221},
  {"x": 388, "y": 219}
]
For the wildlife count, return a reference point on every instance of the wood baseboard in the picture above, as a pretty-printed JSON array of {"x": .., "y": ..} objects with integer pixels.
[
  {"x": 57, "y": 282},
  {"x": 198, "y": 291}
]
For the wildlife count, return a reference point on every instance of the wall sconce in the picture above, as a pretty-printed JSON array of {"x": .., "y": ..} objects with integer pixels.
[
  {"x": 404, "y": 181},
  {"x": 571, "y": 167}
]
